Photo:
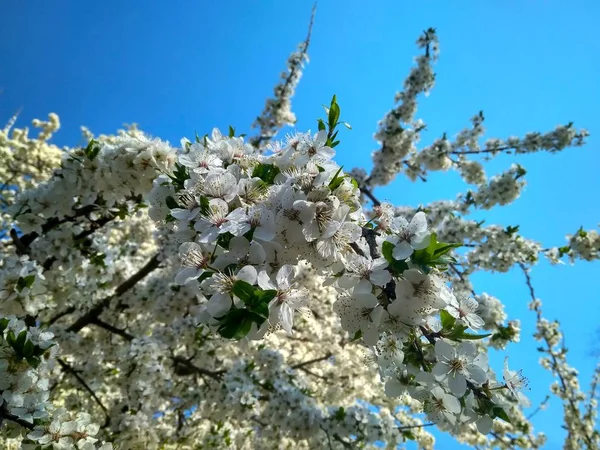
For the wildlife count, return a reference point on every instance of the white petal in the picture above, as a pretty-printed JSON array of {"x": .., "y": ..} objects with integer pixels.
[
  {"x": 380, "y": 277},
  {"x": 484, "y": 425},
  {"x": 364, "y": 300},
  {"x": 402, "y": 250},
  {"x": 219, "y": 304},
  {"x": 247, "y": 274},
  {"x": 284, "y": 277},
  {"x": 418, "y": 224},
  {"x": 393, "y": 388},
  {"x": 264, "y": 281},
  {"x": 457, "y": 384},
  {"x": 477, "y": 374},
  {"x": 444, "y": 351},
  {"x": 187, "y": 274},
  {"x": 466, "y": 348},
  {"x": 440, "y": 370},
  {"x": 451, "y": 403}
]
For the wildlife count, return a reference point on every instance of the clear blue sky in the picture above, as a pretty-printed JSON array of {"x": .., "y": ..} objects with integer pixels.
[{"x": 181, "y": 66}]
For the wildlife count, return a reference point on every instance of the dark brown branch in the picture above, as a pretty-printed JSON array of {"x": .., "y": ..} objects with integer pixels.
[
  {"x": 555, "y": 364},
  {"x": 423, "y": 425},
  {"x": 95, "y": 312},
  {"x": 71, "y": 371},
  {"x": 370, "y": 236},
  {"x": 4, "y": 414},
  {"x": 305, "y": 370},
  {"x": 369, "y": 194},
  {"x": 27, "y": 239},
  {"x": 416, "y": 170},
  {"x": 19, "y": 244},
  {"x": 258, "y": 140},
  {"x": 311, "y": 361},
  {"x": 183, "y": 367},
  {"x": 124, "y": 334}
]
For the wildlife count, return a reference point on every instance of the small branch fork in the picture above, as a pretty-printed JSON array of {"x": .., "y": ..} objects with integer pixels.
[{"x": 555, "y": 364}]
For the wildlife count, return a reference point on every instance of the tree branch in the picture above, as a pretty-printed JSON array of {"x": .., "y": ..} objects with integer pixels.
[
  {"x": 124, "y": 334},
  {"x": 4, "y": 414},
  {"x": 95, "y": 312},
  {"x": 189, "y": 368},
  {"x": 312, "y": 361},
  {"x": 70, "y": 370}
]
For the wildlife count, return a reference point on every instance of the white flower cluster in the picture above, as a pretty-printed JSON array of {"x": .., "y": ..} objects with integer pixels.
[
  {"x": 120, "y": 170},
  {"x": 278, "y": 110},
  {"x": 66, "y": 432},
  {"x": 584, "y": 244},
  {"x": 22, "y": 286},
  {"x": 250, "y": 219},
  {"x": 399, "y": 131},
  {"x": 249, "y": 242},
  {"x": 26, "y": 357}
]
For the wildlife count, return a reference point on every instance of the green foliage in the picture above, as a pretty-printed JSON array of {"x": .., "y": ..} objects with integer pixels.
[
  {"x": 237, "y": 323},
  {"x": 436, "y": 254},
  {"x": 266, "y": 172},
  {"x": 447, "y": 320},
  {"x": 22, "y": 346},
  {"x": 396, "y": 267},
  {"x": 180, "y": 174},
  {"x": 25, "y": 282},
  {"x": 92, "y": 150}
]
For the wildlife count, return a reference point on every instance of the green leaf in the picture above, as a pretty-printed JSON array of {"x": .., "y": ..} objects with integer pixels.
[
  {"x": 98, "y": 260},
  {"x": 474, "y": 337},
  {"x": 28, "y": 349},
  {"x": 92, "y": 150},
  {"x": 204, "y": 205},
  {"x": 334, "y": 113},
  {"x": 337, "y": 180},
  {"x": 387, "y": 249},
  {"x": 409, "y": 435},
  {"x": 25, "y": 282},
  {"x": 224, "y": 239},
  {"x": 397, "y": 267},
  {"x": 180, "y": 174},
  {"x": 321, "y": 125},
  {"x": 171, "y": 203},
  {"x": 231, "y": 131},
  {"x": 20, "y": 342},
  {"x": 447, "y": 320},
  {"x": 340, "y": 414},
  {"x": 237, "y": 323},
  {"x": 10, "y": 338},
  {"x": 435, "y": 254},
  {"x": 265, "y": 296},
  {"x": 206, "y": 274},
  {"x": 33, "y": 362},
  {"x": 266, "y": 172},
  {"x": 356, "y": 336},
  {"x": 3, "y": 324},
  {"x": 243, "y": 290},
  {"x": 510, "y": 230},
  {"x": 458, "y": 334},
  {"x": 498, "y": 412}
]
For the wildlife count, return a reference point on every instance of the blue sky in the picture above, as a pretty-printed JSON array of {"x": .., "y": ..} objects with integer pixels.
[{"x": 181, "y": 66}]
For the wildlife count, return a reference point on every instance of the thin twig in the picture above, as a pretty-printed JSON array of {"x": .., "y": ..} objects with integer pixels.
[
  {"x": 70, "y": 370},
  {"x": 95, "y": 312},
  {"x": 312, "y": 361},
  {"x": 124, "y": 334}
]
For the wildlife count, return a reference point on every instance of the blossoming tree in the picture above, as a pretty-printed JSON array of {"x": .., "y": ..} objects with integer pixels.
[{"x": 249, "y": 293}]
